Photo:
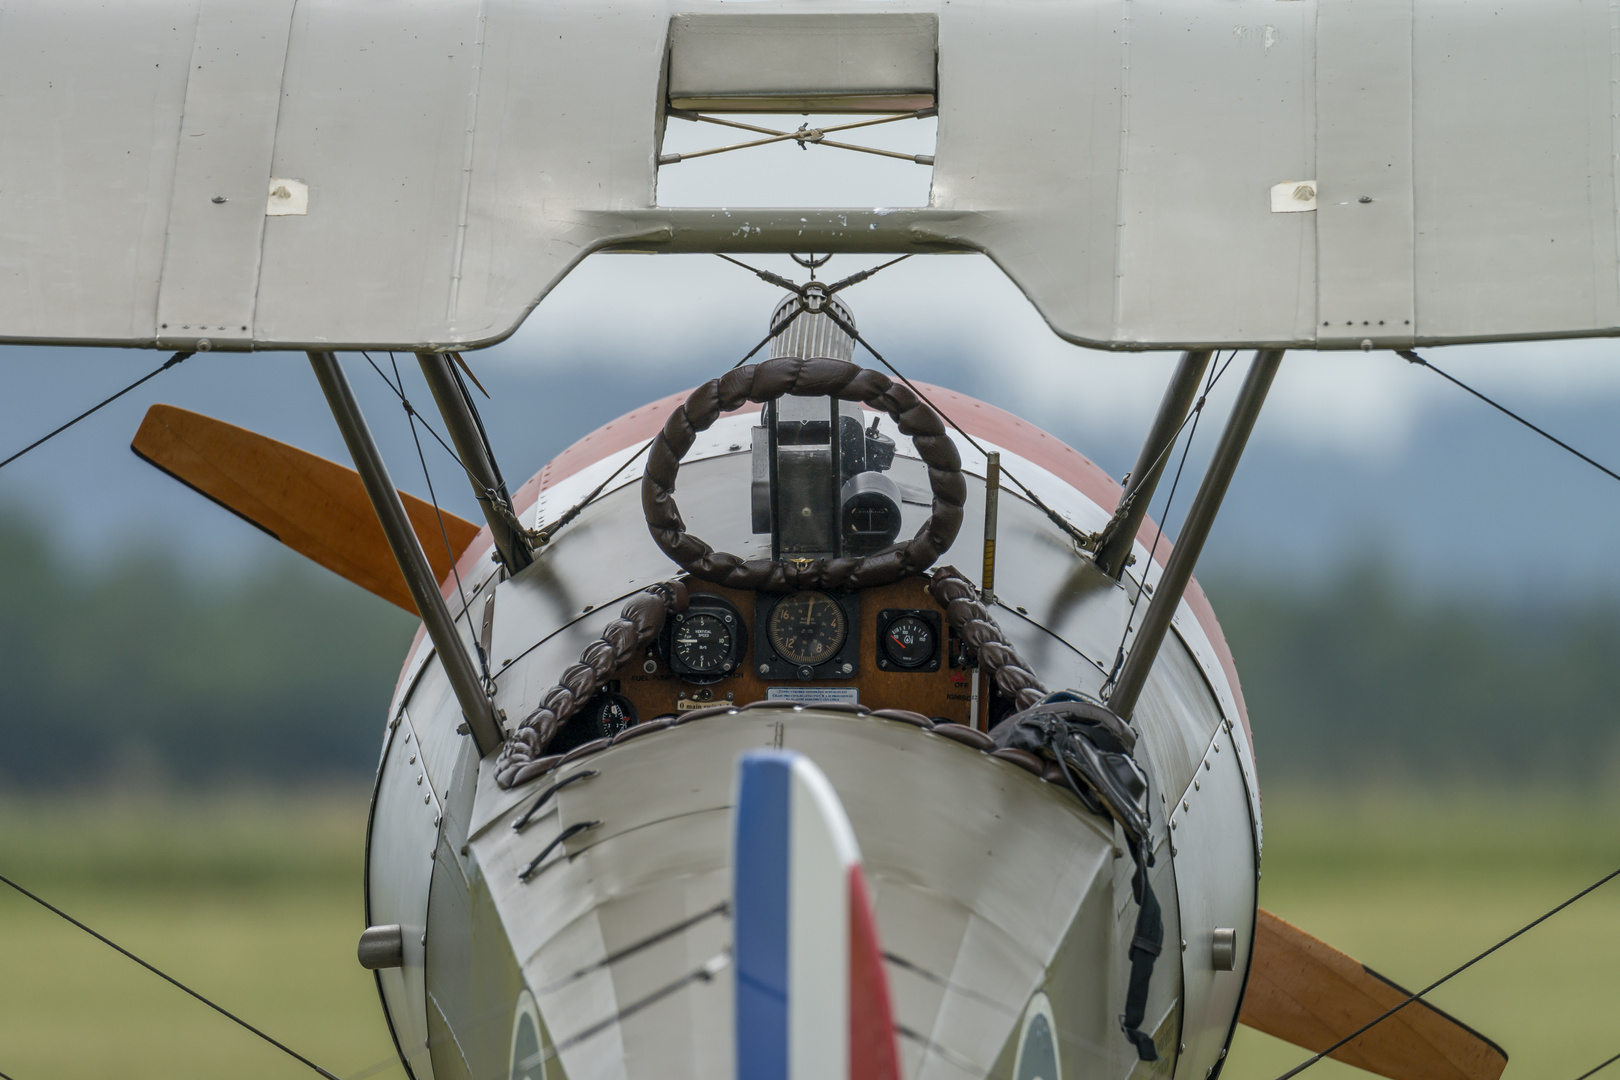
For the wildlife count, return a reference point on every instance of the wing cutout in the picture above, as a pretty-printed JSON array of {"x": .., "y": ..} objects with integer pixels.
[
  {"x": 1306, "y": 992},
  {"x": 314, "y": 506}
]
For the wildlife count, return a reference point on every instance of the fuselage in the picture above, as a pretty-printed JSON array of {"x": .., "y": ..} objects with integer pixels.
[{"x": 1004, "y": 906}]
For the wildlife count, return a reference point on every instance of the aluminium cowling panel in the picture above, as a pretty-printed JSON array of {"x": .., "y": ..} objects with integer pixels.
[
  {"x": 401, "y": 845},
  {"x": 1217, "y": 876}
]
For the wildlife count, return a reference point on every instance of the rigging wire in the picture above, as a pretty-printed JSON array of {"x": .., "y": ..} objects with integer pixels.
[
  {"x": 543, "y": 536},
  {"x": 450, "y": 552},
  {"x": 410, "y": 409},
  {"x": 53, "y": 909},
  {"x": 1193, "y": 416},
  {"x": 1413, "y": 358},
  {"x": 167, "y": 364},
  {"x": 1084, "y": 539},
  {"x": 1594, "y": 1071},
  {"x": 1369, "y": 1025}
]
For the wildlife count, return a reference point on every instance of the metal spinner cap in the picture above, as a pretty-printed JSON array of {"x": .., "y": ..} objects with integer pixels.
[{"x": 813, "y": 334}]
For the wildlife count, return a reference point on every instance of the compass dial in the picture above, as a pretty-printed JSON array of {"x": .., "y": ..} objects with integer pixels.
[
  {"x": 909, "y": 642},
  {"x": 702, "y": 642},
  {"x": 807, "y": 628}
]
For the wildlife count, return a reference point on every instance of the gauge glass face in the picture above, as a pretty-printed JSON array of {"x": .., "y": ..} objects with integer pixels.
[
  {"x": 909, "y": 642},
  {"x": 808, "y": 628},
  {"x": 703, "y": 643},
  {"x": 615, "y": 713}
]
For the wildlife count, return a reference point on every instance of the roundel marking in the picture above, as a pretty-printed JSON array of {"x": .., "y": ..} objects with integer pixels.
[{"x": 1037, "y": 1043}]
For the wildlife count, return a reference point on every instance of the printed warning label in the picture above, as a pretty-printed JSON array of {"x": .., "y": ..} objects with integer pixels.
[{"x": 814, "y": 695}]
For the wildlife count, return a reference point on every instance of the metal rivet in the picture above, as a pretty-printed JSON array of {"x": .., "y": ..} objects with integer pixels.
[
  {"x": 1365, "y": 199},
  {"x": 219, "y": 198}
]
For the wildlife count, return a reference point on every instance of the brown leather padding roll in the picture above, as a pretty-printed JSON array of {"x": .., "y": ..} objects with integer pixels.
[
  {"x": 522, "y": 756},
  {"x": 761, "y": 383}
]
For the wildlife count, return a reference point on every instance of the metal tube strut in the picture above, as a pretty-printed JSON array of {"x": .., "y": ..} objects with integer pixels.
[
  {"x": 1206, "y": 504},
  {"x": 413, "y": 564},
  {"x": 1119, "y": 535},
  {"x": 515, "y": 549}
]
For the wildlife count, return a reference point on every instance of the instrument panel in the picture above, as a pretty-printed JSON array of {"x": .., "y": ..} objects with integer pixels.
[{"x": 884, "y": 648}]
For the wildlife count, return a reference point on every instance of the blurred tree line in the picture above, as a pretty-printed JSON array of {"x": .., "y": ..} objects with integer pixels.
[
  {"x": 1365, "y": 679},
  {"x": 140, "y": 672}
]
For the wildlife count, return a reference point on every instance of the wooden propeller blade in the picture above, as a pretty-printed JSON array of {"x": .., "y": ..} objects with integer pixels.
[
  {"x": 1310, "y": 994},
  {"x": 314, "y": 506}
]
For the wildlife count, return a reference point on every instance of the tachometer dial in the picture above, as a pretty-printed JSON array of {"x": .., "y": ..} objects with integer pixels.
[
  {"x": 909, "y": 642},
  {"x": 807, "y": 628},
  {"x": 702, "y": 643}
]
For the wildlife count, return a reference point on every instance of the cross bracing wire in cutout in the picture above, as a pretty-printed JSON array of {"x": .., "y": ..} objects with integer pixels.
[{"x": 805, "y": 135}]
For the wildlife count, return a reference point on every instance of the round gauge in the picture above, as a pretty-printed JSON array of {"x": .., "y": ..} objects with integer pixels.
[
  {"x": 702, "y": 642},
  {"x": 615, "y": 713},
  {"x": 909, "y": 642},
  {"x": 807, "y": 628}
]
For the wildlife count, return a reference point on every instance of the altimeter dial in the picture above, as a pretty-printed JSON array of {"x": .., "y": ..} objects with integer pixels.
[{"x": 807, "y": 628}]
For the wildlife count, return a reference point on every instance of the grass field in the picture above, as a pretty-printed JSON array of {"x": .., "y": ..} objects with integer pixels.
[{"x": 257, "y": 903}]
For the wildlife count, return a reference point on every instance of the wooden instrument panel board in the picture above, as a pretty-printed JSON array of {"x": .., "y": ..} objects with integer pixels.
[{"x": 943, "y": 693}]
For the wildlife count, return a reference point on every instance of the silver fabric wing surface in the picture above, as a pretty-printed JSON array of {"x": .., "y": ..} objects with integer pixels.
[{"x": 420, "y": 173}]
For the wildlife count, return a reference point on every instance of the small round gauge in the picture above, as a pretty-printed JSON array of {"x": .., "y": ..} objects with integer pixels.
[
  {"x": 702, "y": 642},
  {"x": 615, "y": 713},
  {"x": 807, "y": 628},
  {"x": 909, "y": 642}
]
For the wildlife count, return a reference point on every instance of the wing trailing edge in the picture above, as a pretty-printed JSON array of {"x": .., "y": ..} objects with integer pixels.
[
  {"x": 314, "y": 506},
  {"x": 1306, "y": 992}
]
